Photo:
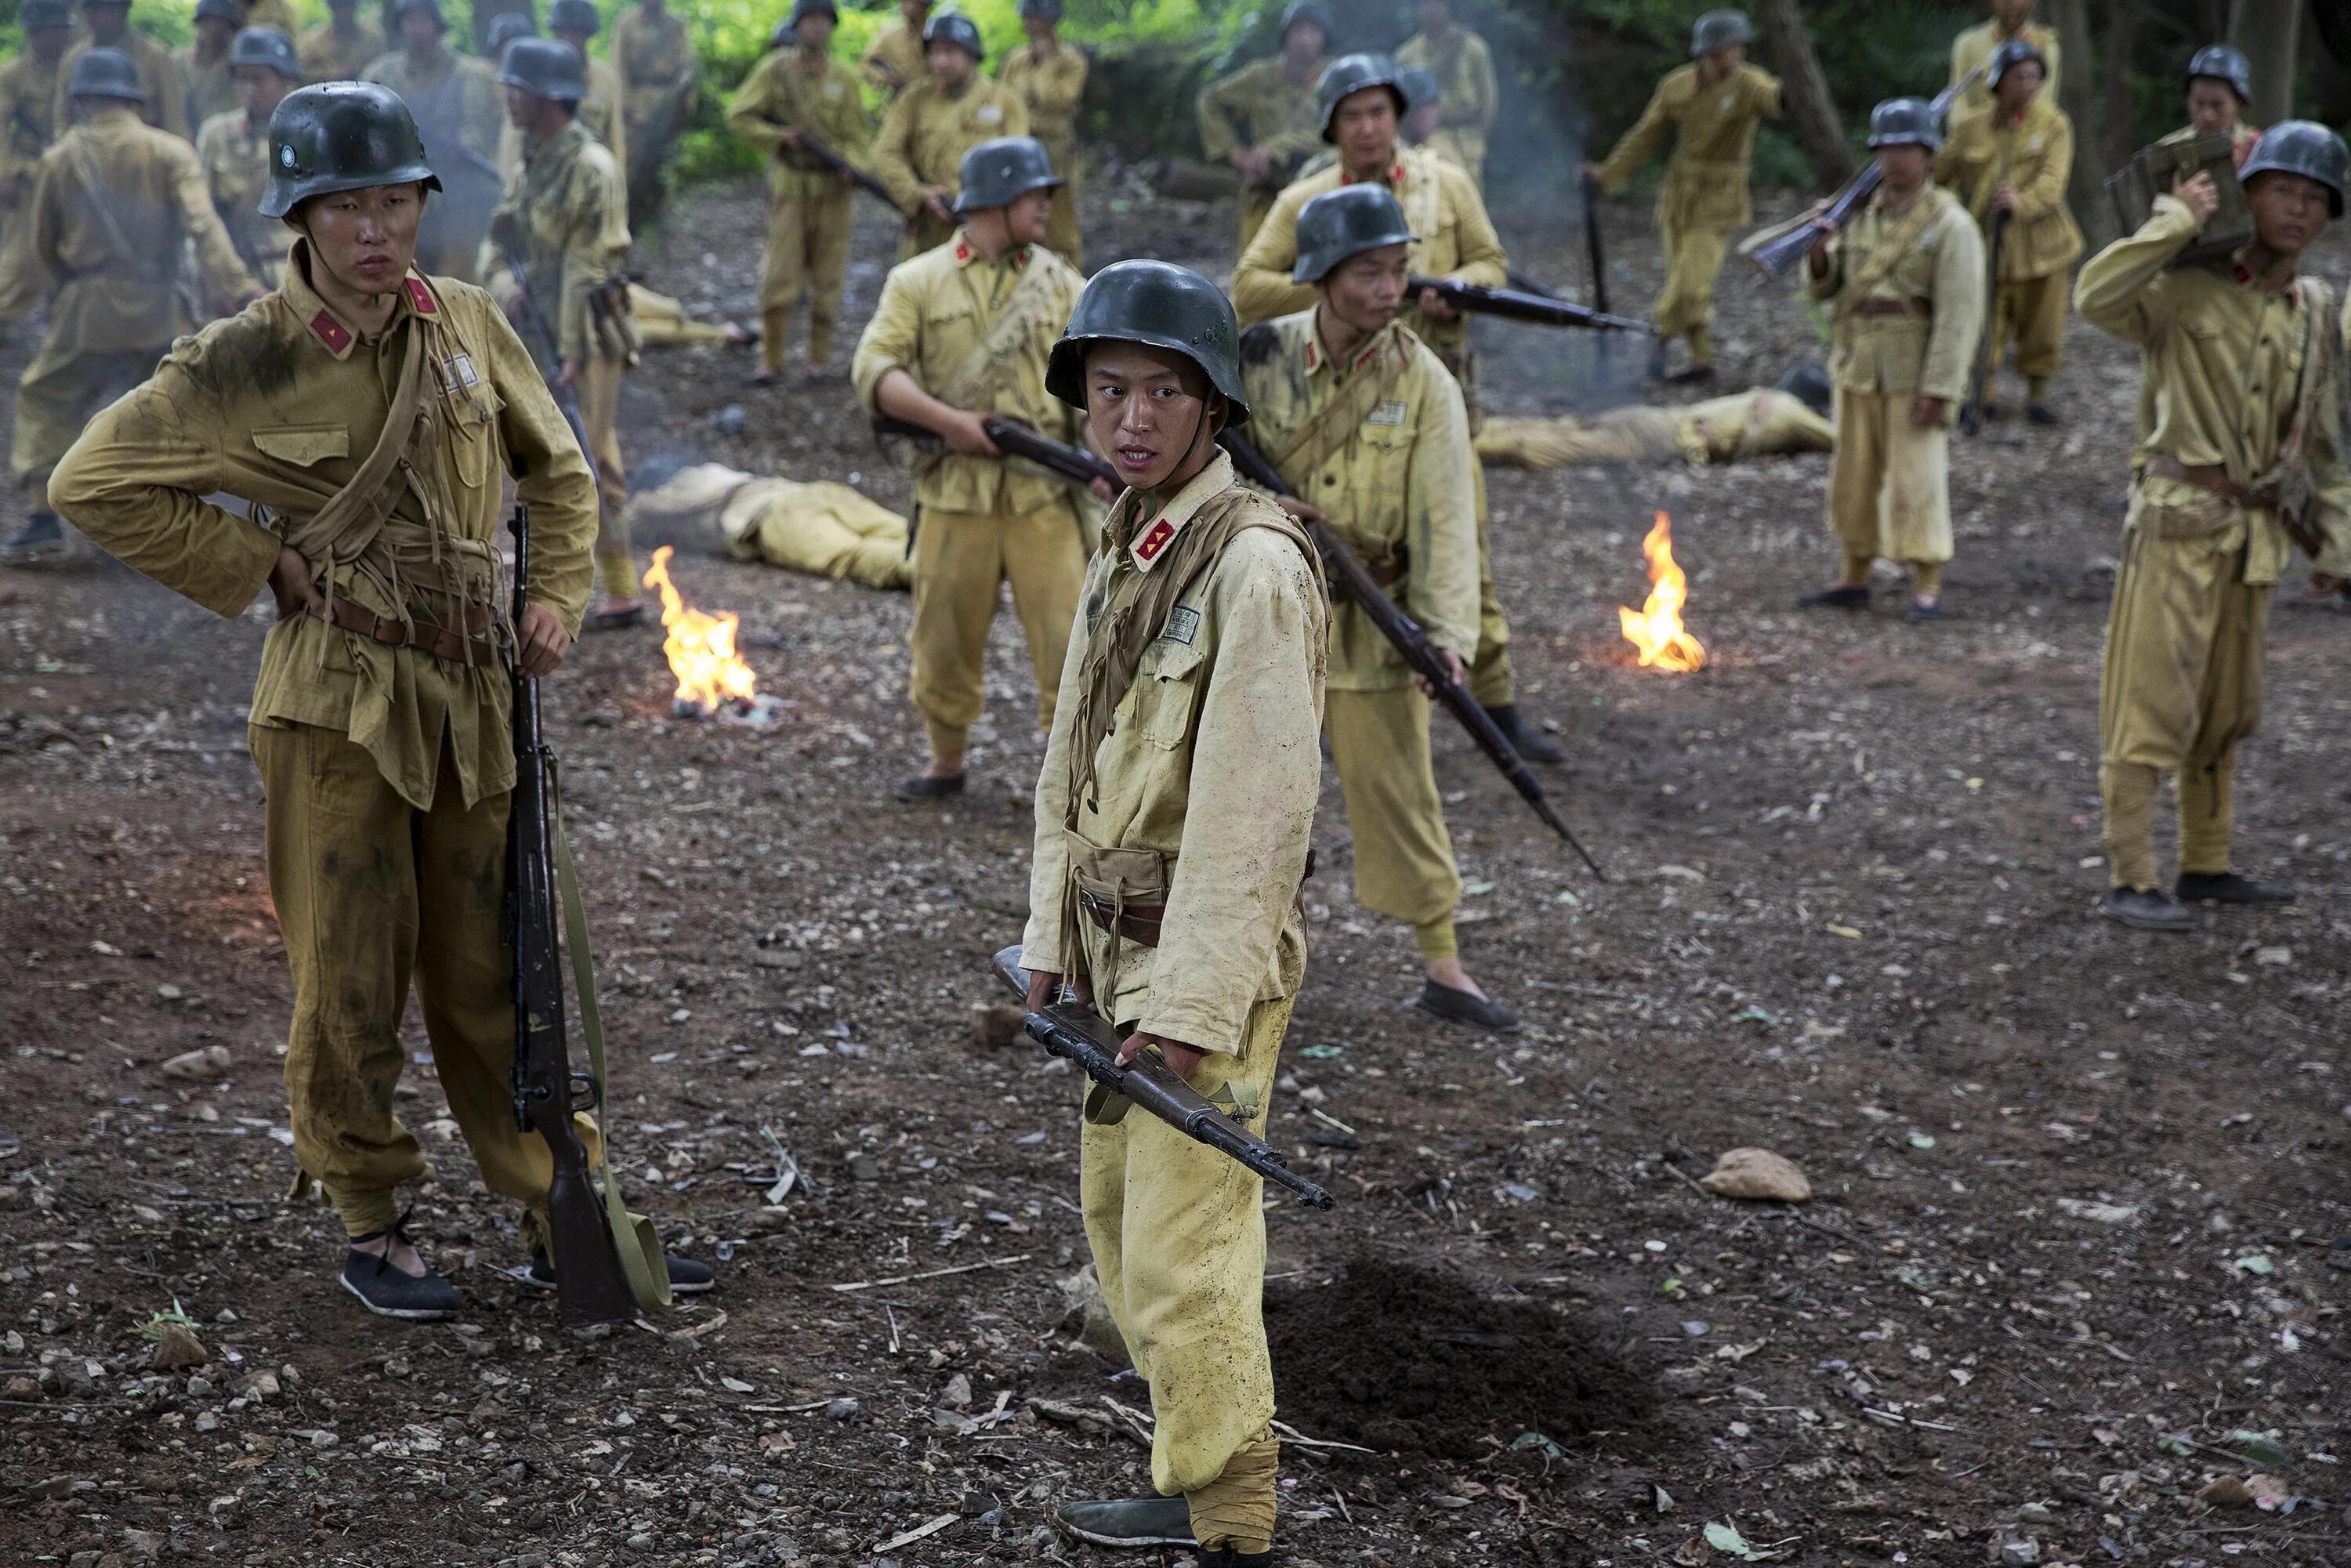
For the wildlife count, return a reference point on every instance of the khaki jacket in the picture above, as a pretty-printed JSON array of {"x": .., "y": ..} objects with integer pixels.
[
  {"x": 1758, "y": 423},
  {"x": 1402, "y": 486},
  {"x": 1453, "y": 239},
  {"x": 1941, "y": 271},
  {"x": 277, "y": 14},
  {"x": 1464, "y": 68},
  {"x": 28, "y": 104},
  {"x": 481, "y": 101},
  {"x": 565, "y": 220},
  {"x": 600, "y": 111},
  {"x": 925, "y": 134},
  {"x": 210, "y": 85},
  {"x": 166, "y": 107},
  {"x": 112, "y": 202},
  {"x": 1257, "y": 106},
  {"x": 1714, "y": 144},
  {"x": 781, "y": 95},
  {"x": 935, "y": 311},
  {"x": 2224, "y": 359},
  {"x": 656, "y": 64},
  {"x": 235, "y": 159},
  {"x": 330, "y": 53},
  {"x": 1213, "y": 762},
  {"x": 280, "y": 404},
  {"x": 896, "y": 60},
  {"x": 1051, "y": 90},
  {"x": 1974, "y": 48},
  {"x": 2035, "y": 155}
]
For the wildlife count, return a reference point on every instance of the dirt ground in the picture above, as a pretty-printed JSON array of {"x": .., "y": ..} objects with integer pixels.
[{"x": 2067, "y": 1263}]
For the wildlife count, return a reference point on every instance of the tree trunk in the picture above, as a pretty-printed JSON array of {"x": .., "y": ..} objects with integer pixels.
[
  {"x": 2265, "y": 30},
  {"x": 2085, "y": 186},
  {"x": 1811, "y": 112}
]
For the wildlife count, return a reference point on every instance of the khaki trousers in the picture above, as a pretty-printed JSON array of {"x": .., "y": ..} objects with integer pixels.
[
  {"x": 1692, "y": 261},
  {"x": 960, "y": 559},
  {"x": 1404, "y": 858},
  {"x": 1178, "y": 1238},
  {"x": 372, "y": 894},
  {"x": 598, "y": 390},
  {"x": 2030, "y": 312},
  {"x": 1493, "y": 680},
  {"x": 806, "y": 253},
  {"x": 56, "y": 397},
  {"x": 1889, "y": 486},
  {"x": 2180, "y": 687}
]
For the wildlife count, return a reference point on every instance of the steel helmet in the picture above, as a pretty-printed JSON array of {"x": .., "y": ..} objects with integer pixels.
[
  {"x": 220, "y": 11},
  {"x": 1047, "y": 10},
  {"x": 548, "y": 66},
  {"x": 1346, "y": 222},
  {"x": 510, "y": 25},
  {"x": 811, "y": 8},
  {"x": 94, "y": 5},
  {"x": 2011, "y": 53},
  {"x": 1306, "y": 13},
  {"x": 1420, "y": 88},
  {"x": 2301, "y": 147},
  {"x": 1353, "y": 74},
  {"x": 341, "y": 136},
  {"x": 1000, "y": 168},
  {"x": 1720, "y": 30},
  {"x": 1161, "y": 304},
  {"x": 573, "y": 16},
  {"x": 2223, "y": 63},
  {"x": 268, "y": 47},
  {"x": 1906, "y": 122},
  {"x": 954, "y": 28},
  {"x": 105, "y": 73},
  {"x": 1809, "y": 384},
  {"x": 430, "y": 8},
  {"x": 36, "y": 14}
]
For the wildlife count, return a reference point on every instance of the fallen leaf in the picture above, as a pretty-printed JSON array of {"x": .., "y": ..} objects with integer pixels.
[{"x": 1726, "y": 1540}]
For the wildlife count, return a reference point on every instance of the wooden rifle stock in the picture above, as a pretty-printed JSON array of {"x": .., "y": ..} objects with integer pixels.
[
  {"x": 1015, "y": 439},
  {"x": 864, "y": 180}
]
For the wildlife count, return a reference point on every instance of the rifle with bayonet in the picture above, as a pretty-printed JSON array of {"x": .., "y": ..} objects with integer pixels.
[
  {"x": 1073, "y": 1030},
  {"x": 1591, "y": 242},
  {"x": 589, "y": 1281},
  {"x": 864, "y": 180},
  {"x": 1349, "y": 578},
  {"x": 539, "y": 337},
  {"x": 1778, "y": 248},
  {"x": 1519, "y": 305},
  {"x": 1013, "y": 439}
]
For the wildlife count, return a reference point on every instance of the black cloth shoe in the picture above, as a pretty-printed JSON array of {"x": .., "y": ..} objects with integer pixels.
[
  {"x": 1843, "y": 596},
  {"x": 1129, "y": 1522},
  {"x": 1225, "y": 1557},
  {"x": 2227, "y": 887},
  {"x": 1525, "y": 739},
  {"x": 922, "y": 786},
  {"x": 1927, "y": 610},
  {"x": 1691, "y": 375},
  {"x": 2146, "y": 909},
  {"x": 389, "y": 1293},
  {"x": 614, "y": 614},
  {"x": 687, "y": 1276},
  {"x": 1465, "y": 1006},
  {"x": 43, "y": 537},
  {"x": 2039, "y": 413}
]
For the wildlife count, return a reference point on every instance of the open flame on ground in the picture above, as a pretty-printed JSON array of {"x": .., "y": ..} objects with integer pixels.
[
  {"x": 711, "y": 681},
  {"x": 1655, "y": 629}
]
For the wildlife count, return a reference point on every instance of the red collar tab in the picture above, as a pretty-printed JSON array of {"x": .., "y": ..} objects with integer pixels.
[
  {"x": 332, "y": 333},
  {"x": 1395, "y": 175},
  {"x": 1148, "y": 547},
  {"x": 963, "y": 251},
  {"x": 420, "y": 298}
]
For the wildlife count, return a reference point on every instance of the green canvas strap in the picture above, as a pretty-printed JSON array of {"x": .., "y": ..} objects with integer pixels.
[{"x": 634, "y": 1235}]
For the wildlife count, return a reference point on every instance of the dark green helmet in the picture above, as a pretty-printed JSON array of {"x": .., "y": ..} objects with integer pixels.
[
  {"x": 1305, "y": 14},
  {"x": 1420, "y": 88},
  {"x": 267, "y": 47},
  {"x": 430, "y": 8},
  {"x": 1720, "y": 30},
  {"x": 2009, "y": 55},
  {"x": 2223, "y": 63},
  {"x": 573, "y": 16},
  {"x": 510, "y": 25},
  {"x": 1346, "y": 222},
  {"x": 2301, "y": 147},
  {"x": 1906, "y": 122},
  {"x": 787, "y": 34},
  {"x": 219, "y": 11},
  {"x": 341, "y": 136},
  {"x": 39, "y": 14},
  {"x": 1353, "y": 74},
  {"x": 1000, "y": 168},
  {"x": 1809, "y": 384},
  {"x": 811, "y": 8},
  {"x": 105, "y": 73},
  {"x": 1161, "y": 304},
  {"x": 1045, "y": 10},
  {"x": 954, "y": 28},
  {"x": 548, "y": 66}
]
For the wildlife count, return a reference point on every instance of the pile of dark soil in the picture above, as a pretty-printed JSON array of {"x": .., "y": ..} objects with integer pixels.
[{"x": 1415, "y": 1363}]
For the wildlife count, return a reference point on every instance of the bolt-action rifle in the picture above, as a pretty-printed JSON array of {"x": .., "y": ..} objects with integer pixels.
[
  {"x": 1519, "y": 305},
  {"x": 864, "y": 180}
]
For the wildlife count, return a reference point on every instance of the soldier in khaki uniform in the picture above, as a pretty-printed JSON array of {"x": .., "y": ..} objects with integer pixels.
[
  {"x": 656, "y": 63},
  {"x": 394, "y": 407},
  {"x": 573, "y": 22},
  {"x": 2240, "y": 458},
  {"x": 962, "y": 332},
  {"x": 1173, "y": 818},
  {"x": 341, "y": 46},
  {"x": 115, "y": 266},
  {"x": 277, "y": 14},
  {"x": 2012, "y": 22},
  {"x": 1762, "y": 422},
  {"x": 458, "y": 104},
  {"x": 1463, "y": 69},
  {"x": 936, "y": 121},
  {"x": 165, "y": 106},
  {"x": 1050, "y": 77},
  {"x": 1712, "y": 106},
  {"x": 28, "y": 100},
  {"x": 1905, "y": 287},
  {"x": 899, "y": 56},
  {"x": 2013, "y": 158},
  {"x": 234, "y": 151},
  {"x": 1357, "y": 413},
  {"x": 1264, "y": 119},
  {"x": 564, "y": 229},
  {"x": 799, "y": 89},
  {"x": 207, "y": 74},
  {"x": 1363, "y": 106},
  {"x": 2219, "y": 88}
]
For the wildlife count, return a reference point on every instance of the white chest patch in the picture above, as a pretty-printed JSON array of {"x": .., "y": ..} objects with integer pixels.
[{"x": 1387, "y": 414}]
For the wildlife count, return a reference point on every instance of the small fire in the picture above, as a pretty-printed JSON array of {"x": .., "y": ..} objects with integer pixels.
[
  {"x": 1655, "y": 629},
  {"x": 701, "y": 650}
]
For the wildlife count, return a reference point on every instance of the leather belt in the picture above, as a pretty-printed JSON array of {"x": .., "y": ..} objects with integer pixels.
[
  {"x": 469, "y": 646},
  {"x": 1923, "y": 310},
  {"x": 1137, "y": 923},
  {"x": 2214, "y": 481}
]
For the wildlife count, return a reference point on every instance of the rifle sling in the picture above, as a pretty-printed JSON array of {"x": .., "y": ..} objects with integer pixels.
[{"x": 1883, "y": 258}]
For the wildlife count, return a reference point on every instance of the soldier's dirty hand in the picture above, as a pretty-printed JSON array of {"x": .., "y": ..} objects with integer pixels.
[
  {"x": 1433, "y": 305},
  {"x": 290, "y": 585},
  {"x": 790, "y": 139},
  {"x": 543, "y": 641},
  {"x": 1304, "y": 511},
  {"x": 2003, "y": 198},
  {"x": 968, "y": 435},
  {"x": 1251, "y": 161},
  {"x": 1452, "y": 662},
  {"x": 1181, "y": 1058},
  {"x": 2323, "y": 585},
  {"x": 934, "y": 199},
  {"x": 2199, "y": 195},
  {"x": 569, "y": 373},
  {"x": 1104, "y": 491},
  {"x": 1929, "y": 413},
  {"x": 1045, "y": 987}
]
